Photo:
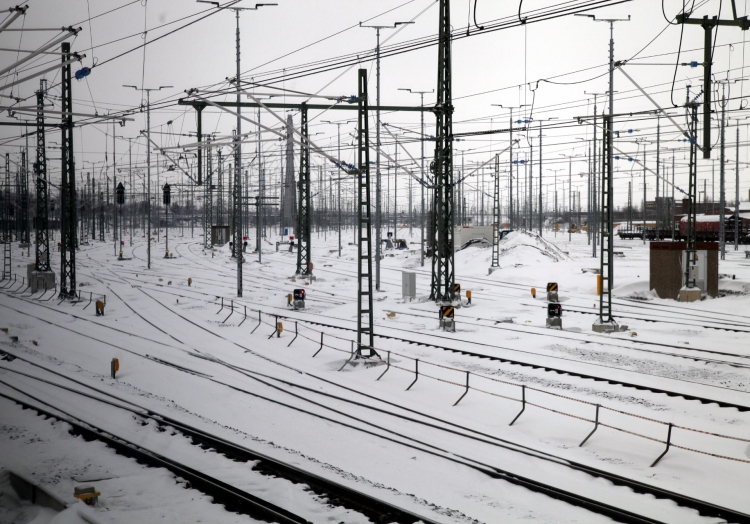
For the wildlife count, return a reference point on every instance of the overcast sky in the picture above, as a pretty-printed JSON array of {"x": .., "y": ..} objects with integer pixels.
[{"x": 509, "y": 67}]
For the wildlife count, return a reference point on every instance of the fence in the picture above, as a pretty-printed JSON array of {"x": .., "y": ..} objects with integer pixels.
[{"x": 466, "y": 386}]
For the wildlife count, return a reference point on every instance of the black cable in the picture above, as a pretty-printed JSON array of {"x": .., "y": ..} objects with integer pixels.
[
  {"x": 664, "y": 14},
  {"x": 105, "y": 13},
  {"x": 679, "y": 50},
  {"x": 521, "y": 20},
  {"x": 326, "y": 65},
  {"x": 481, "y": 28},
  {"x": 716, "y": 34},
  {"x": 213, "y": 12}
]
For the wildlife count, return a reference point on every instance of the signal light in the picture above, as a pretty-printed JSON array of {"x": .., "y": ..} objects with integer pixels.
[{"x": 554, "y": 310}]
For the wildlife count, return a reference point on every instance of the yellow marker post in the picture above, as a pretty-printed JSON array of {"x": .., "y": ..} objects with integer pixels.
[
  {"x": 598, "y": 285},
  {"x": 533, "y": 292}
]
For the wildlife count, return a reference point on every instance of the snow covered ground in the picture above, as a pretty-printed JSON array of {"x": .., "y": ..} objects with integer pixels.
[{"x": 180, "y": 355}]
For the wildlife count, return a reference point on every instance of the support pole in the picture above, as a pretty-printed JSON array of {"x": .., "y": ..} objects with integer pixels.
[
  {"x": 69, "y": 221},
  {"x": 259, "y": 323},
  {"x": 387, "y": 367},
  {"x": 237, "y": 186},
  {"x": 365, "y": 322},
  {"x": 321, "y": 346},
  {"x": 296, "y": 332},
  {"x": 303, "y": 186},
  {"x": 42, "y": 198},
  {"x": 722, "y": 177},
  {"x": 596, "y": 426},
  {"x": 496, "y": 215},
  {"x": 606, "y": 322},
  {"x": 669, "y": 442},
  {"x": 416, "y": 373},
  {"x": 523, "y": 405},
  {"x": 443, "y": 275},
  {"x": 465, "y": 392},
  {"x": 691, "y": 254}
]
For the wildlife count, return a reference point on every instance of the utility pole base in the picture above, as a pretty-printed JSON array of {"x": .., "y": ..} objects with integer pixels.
[
  {"x": 42, "y": 280},
  {"x": 492, "y": 270},
  {"x": 606, "y": 327},
  {"x": 691, "y": 294}
]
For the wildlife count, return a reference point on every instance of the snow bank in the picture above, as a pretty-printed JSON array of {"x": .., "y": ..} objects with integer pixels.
[{"x": 525, "y": 247}]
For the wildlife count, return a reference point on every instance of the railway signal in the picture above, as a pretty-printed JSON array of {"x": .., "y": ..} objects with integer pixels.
[
  {"x": 554, "y": 316},
  {"x": 297, "y": 299},
  {"x": 447, "y": 322},
  {"x": 552, "y": 292}
]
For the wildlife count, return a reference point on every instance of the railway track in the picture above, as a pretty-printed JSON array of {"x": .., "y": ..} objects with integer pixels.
[
  {"x": 286, "y": 314},
  {"x": 233, "y": 498},
  {"x": 704, "y": 508},
  {"x": 520, "y": 328},
  {"x": 373, "y": 508}
]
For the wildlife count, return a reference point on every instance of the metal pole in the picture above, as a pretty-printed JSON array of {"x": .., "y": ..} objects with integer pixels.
[
  {"x": 643, "y": 231},
  {"x": 378, "y": 233},
  {"x": 540, "y": 179},
  {"x": 114, "y": 184},
  {"x": 339, "y": 186},
  {"x": 148, "y": 177},
  {"x": 658, "y": 162},
  {"x": 510, "y": 177},
  {"x": 722, "y": 172},
  {"x": 130, "y": 169},
  {"x": 421, "y": 139},
  {"x": 737, "y": 193}
]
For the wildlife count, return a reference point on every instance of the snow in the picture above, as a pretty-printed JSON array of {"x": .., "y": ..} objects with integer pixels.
[{"x": 268, "y": 396}]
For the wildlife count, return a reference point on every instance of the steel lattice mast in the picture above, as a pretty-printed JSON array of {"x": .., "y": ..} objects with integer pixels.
[
  {"x": 496, "y": 215},
  {"x": 42, "y": 198},
  {"x": 303, "y": 213},
  {"x": 691, "y": 254},
  {"x": 442, "y": 260},
  {"x": 365, "y": 335},
  {"x": 6, "y": 217},
  {"x": 208, "y": 207},
  {"x": 68, "y": 219}
]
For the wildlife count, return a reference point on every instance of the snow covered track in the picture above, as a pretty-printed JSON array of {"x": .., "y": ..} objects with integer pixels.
[
  {"x": 336, "y": 494},
  {"x": 197, "y": 378},
  {"x": 526, "y": 363},
  {"x": 231, "y": 497}
]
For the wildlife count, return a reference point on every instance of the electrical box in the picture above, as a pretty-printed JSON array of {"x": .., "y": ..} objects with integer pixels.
[
  {"x": 699, "y": 271},
  {"x": 408, "y": 285}
]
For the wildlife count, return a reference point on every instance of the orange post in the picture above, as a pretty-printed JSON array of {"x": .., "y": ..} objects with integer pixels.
[{"x": 598, "y": 285}]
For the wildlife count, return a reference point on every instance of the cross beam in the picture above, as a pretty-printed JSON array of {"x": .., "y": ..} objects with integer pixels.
[{"x": 321, "y": 107}]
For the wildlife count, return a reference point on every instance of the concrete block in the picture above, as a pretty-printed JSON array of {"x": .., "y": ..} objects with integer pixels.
[
  {"x": 605, "y": 327},
  {"x": 40, "y": 279},
  {"x": 690, "y": 294}
]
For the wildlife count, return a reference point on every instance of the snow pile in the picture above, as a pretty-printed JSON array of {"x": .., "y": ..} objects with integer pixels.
[{"x": 525, "y": 247}]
